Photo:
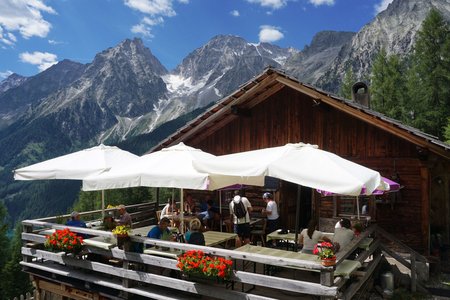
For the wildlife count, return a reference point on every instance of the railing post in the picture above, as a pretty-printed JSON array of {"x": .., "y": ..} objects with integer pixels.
[
  {"x": 413, "y": 272},
  {"x": 327, "y": 279}
]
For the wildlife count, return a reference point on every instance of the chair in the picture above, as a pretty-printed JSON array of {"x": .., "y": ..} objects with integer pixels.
[
  {"x": 259, "y": 233},
  {"x": 158, "y": 216}
]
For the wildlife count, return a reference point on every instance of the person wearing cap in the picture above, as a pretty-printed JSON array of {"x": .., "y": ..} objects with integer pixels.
[
  {"x": 271, "y": 212},
  {"x": 125, "y": 218},
  {"x": 75, "y": 220},
  {"x": 241, "y": 225}
]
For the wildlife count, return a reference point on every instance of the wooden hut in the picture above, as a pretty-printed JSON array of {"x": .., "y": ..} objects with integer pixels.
[{"x": 274, "y": 109}]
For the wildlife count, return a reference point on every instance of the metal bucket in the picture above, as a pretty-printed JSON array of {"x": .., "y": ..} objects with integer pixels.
[{"x": 387, "y": 283}]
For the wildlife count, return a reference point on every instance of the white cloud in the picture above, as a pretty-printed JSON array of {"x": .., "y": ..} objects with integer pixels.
[
  {"x": 273, "y": 4},
  {"x": 54, "y": 42},
  {"x": 152, "y": 7},
  {"x": 270, "y": 34},
  {"x": 154, "y": 10},
  {"x": 25, "y": 17},
  {"x": 235, "y": 13},
  {"x": 43, "y": 60},
  {"x": 5, "y": 74},
  {"x": 322, "y": 2},
  {"x": 382, "y": 6}
]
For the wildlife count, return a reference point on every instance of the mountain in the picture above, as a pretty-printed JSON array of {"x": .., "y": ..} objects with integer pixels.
[
  {"x": 221, "y": 66},
  {"x": 314, "y": 60},
  {"x": 394, "y": 29},
  {"x": 18, "y": 99},
  {"x": 12, "y": 81}
]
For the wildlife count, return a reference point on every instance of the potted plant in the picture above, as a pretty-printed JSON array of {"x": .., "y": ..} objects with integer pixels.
[
  {"x": 195, "y": 263},
  {"x": 358, "y": 228},
  {"x": 325, "y": 251},
  {"x": 64, "y": 240},
  {"x": 121, "y": 232}
]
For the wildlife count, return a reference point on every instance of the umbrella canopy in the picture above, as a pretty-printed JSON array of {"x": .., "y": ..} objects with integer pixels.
[
  {"x": 300, "y": 163},
  {"x": 77, "y": 165},
  {"x": 390, "y": 186},
  {"x": 170, "y": 167}
]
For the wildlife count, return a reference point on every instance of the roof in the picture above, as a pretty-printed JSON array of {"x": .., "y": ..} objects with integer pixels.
[{"x": 271, "y": 81}]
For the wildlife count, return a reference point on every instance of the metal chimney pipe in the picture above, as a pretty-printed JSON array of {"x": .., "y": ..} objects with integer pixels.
[{"x": 360, "y": 94}]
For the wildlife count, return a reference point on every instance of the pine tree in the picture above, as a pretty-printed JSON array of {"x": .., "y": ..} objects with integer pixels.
[
  {"x": 346, "y": 87},
  {"x": 429, "y": 76},
  {"x": 13, "y": 281},
  {"x": 388, "y": 85}
]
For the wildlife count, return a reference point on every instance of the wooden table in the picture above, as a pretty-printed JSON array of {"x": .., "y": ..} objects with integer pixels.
[
  {"x": 343, "y": 269},
  {"x": 364, "y": 244},
  {"x": 214, "y": 238}
]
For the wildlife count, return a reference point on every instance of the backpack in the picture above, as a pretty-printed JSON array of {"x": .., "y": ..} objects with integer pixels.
[{"x": 239, "y": 209}]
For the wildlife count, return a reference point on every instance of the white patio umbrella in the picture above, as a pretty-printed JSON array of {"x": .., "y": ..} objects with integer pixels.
[
  {"x": 77, "y": 165},
  {"x": 300, "y": 163},
  {"x": 169, "y": 167},
  {"x": 303, "y": 164}
]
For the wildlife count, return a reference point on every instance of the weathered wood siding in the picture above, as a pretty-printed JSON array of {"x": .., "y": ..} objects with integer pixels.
[{"x": 290, "y": 116}]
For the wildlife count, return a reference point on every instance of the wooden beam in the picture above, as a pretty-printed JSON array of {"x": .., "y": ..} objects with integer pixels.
[{"x": 356, "y": 285}]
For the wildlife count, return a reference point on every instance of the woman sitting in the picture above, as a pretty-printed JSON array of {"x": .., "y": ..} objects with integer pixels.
[
  {"x": 310, "y": 236},
  {"x": 343, "y": 235},
  {"x": 194, "y": 236}
]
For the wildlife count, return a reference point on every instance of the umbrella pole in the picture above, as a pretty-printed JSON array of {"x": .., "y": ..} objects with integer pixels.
[
  {"x": 297, "y": 215},
  {"x": 220, "y": 210},
  {"x": 182, "y": 212},
  {"x": 103, "y": 204},
  {"x": 357, "y": 205}
]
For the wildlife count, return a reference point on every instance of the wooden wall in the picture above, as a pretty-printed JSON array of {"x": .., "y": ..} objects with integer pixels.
[{"x": 289, "y": 116}]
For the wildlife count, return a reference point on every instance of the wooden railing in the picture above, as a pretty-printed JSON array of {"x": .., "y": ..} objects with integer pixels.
[
  {"x": 135, "y": 273},
  {"x": 414, "y": 256}
]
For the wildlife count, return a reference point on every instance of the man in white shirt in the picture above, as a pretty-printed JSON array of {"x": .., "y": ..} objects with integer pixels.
[
  {"x": 241, "y": 225},
  {"x": 271, "y": 212}
]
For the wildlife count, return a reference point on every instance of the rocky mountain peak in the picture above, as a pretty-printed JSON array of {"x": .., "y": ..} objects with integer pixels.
[
  {"x": 326, "y": 39},
  {"x": 11, "y": 81},
  {"x": 394, "y": 29}
]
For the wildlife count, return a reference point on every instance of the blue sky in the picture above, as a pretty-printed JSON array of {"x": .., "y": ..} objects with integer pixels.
[{"x": 34, "y": 34}]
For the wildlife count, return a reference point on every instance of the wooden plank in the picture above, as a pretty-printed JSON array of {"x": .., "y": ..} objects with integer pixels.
[
  {"x": 392, "y": 238},
  {"x": 356, "y": 285},
  {"x": 175, "y": 284},
  {"x": 396, "y": 256},
  {"x": 239, "y": 276}
]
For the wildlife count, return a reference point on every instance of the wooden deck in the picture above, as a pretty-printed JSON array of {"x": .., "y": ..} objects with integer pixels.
[{"x": 113, "y": 273}]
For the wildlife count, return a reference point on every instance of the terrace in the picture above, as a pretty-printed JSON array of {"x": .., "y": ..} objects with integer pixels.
[{"x": 258, "y": 272}]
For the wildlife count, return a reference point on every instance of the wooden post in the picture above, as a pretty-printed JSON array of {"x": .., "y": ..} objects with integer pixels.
[
  {"x": 327, "y": 279},
  {"x": 413, "y": 272}
]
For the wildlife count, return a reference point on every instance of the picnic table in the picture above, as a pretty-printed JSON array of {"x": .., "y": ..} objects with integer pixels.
[
  {"x": 343, "y": 269},
  {"x": 290, "y": 236}
]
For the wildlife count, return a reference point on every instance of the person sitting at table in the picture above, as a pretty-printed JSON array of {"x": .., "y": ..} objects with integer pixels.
[
  {"x": 189, "y": 204},
  {"x": 194, "y": 236},
  {"x": 125, "y": 218},
  {"x": 343, "y": 235},
  {"x": 76, "y": 222},
  {"x": 169, "y": 209},
  {"x": 161, "y": 231},
  {"x": 108, "y": 223},
  {"x": 310, "y": 236}
]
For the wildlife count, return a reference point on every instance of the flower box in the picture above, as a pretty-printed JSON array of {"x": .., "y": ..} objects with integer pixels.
[{"x": 196, "y": 263}]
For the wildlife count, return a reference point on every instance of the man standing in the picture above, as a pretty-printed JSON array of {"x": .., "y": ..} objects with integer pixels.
[
  {"x": 125, "y": 218},
  {"x": 240, "y": 208},
  {"x": 271, "y": 212}
]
